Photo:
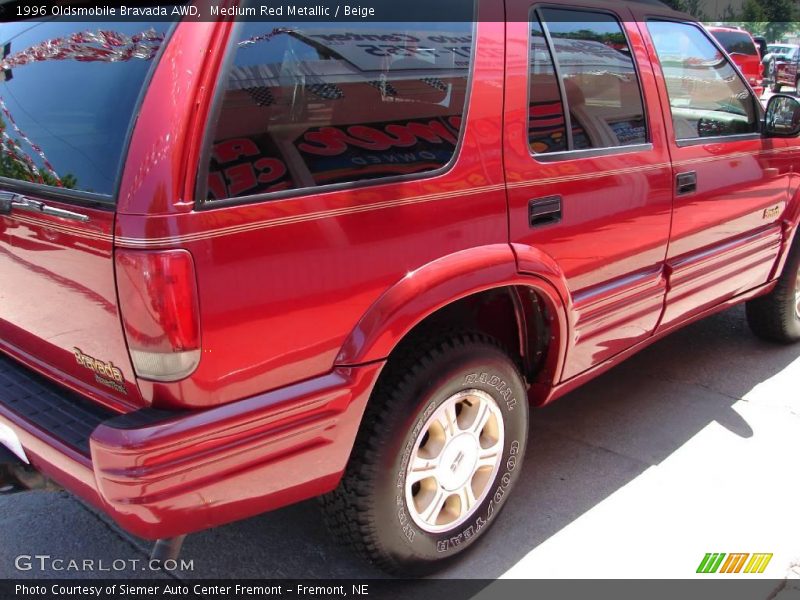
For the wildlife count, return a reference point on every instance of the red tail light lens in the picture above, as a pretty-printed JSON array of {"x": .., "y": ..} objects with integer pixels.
[{"x": 160, "y": 312}]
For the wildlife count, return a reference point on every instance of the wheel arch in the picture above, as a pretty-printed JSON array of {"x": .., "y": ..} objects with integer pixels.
[{"x": 460, "y": 290}]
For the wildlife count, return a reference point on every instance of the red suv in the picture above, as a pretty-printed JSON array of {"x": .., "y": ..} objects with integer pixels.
[
  {"x": 742, "y": 48},
  {"x": 246, "y": 264}
]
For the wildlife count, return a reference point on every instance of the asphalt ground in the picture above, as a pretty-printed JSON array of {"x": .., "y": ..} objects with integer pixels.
[{"x": 689, "y": 447}]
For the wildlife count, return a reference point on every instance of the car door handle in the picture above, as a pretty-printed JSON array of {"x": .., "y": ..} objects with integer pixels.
[
  {"x": 544, "y": 211},
  {"x": 686, "y": 183},
  {"x": 10, "y": 201}
]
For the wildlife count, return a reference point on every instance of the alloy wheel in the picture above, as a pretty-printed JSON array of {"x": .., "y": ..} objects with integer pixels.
[
  {"x": 797, "y": 293},
  {"x": 456, "y": 457}
]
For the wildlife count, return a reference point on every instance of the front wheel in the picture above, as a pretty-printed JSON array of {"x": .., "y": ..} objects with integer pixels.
[
  {"x": 440, "y": 448},
  {"x": 776, "y": 316}
]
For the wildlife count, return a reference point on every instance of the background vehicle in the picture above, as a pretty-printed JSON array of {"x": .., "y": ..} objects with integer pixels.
[
  {"x": 783, "y": 61},
  {"x": 742, "y": 48},
  {"x": 761, "y": 45},
  {"x": 259, "y": 263}
]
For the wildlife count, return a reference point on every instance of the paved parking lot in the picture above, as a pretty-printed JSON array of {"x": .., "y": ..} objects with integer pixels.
[{"x": 690, "y": 447}]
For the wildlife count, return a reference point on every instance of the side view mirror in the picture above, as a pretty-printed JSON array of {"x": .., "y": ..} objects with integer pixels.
[{"x": 782, "y": 117}]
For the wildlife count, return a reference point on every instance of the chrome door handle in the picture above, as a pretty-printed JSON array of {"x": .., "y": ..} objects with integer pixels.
[
  {"x": 10, "y": 201},
  {"x": 686, "y": 183},
  {"x": 544, "y": 211}
]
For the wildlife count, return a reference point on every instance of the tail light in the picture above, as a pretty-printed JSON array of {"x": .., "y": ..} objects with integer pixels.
[{"x": 160, "y": 312}]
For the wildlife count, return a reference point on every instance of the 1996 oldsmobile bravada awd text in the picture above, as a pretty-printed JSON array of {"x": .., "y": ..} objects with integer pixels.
[{"x": 247, "y": 264}]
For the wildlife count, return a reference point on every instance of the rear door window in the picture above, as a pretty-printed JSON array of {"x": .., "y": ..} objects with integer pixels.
[
  {"x": 582, "y": 60},
  {"x": 68, "y": 92},
  {"x": 306, "y": 106}
]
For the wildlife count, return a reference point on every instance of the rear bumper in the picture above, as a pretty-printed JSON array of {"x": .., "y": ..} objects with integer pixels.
[{"x": 163, "y": 474}]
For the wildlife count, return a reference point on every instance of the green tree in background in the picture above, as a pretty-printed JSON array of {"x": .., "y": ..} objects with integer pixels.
[
  {"x": 780, "y": 16},
  {"x": 752, "y": 18},
  {"x": 771, "y": 18},
  {"x": 693, "y": 7},
  {"x": 753, "y": 12},
  {"x": 13, "y": 167}
]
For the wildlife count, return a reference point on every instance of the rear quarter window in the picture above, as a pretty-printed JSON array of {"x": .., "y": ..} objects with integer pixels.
[
  {"x": 68, "y": 92},
  {"x": 307, "y": 106}
]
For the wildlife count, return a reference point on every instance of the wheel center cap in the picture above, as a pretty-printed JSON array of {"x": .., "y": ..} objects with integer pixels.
[{"x": 458, "y": 462}]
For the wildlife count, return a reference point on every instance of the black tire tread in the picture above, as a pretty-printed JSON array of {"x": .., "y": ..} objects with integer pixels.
[
  {"x": 348, "y": 509},
  {"x": 771, "y": 317}
]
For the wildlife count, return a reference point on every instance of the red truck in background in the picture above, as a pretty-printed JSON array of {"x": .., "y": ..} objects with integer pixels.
[
  {"x": 742, "y": 48},
  {"x": 246, "y": 264}
]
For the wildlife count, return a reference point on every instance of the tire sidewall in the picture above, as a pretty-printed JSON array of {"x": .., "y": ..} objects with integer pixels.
[
  {"x": 793, "y": 273},
  {"x": 480, "y": 367}
]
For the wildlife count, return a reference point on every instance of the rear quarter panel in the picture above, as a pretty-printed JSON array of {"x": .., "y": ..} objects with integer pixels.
[{"x": 283, "y": 283}]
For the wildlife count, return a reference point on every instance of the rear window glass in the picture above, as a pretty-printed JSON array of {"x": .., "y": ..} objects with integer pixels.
[
  {"x": 308, "y": 105},
  {"x": 781, "y": 50},
  {"x": 67, "y": 95},
  {"x": 736, "y": 42}
]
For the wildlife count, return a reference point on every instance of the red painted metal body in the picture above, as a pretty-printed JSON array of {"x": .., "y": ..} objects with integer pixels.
[{"x": 302, "y": 299}]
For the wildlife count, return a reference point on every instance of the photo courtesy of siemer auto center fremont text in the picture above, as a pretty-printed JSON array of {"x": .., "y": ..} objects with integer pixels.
[{"x": 491, "y": 299}]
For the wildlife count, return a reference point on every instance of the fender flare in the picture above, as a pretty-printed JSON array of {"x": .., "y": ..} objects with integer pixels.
[{"x": 444, "y": 281}]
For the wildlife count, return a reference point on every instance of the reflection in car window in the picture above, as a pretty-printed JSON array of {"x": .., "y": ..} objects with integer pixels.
[
  {"x": 599, "y": 79},
  {"x": 67, "y": 95},
  {"x": 309, "y": 105},
  {"x": 546, "y": 123},
  {"x": 706, "y": 95}
]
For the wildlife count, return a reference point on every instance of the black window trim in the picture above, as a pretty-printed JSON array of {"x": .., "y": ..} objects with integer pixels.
[
  {"x": 562, "y": 91},
  {"x": 716, "y": 139},
  {"x": 93, "y": 199},
  {"x": 571, "y": 154},
  {"x": 201, "y": 183}
]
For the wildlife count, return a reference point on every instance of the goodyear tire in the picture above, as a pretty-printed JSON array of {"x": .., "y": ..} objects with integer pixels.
[
  {"x": 776, "y": 316},
  {"x": 439, "y": 450}
]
